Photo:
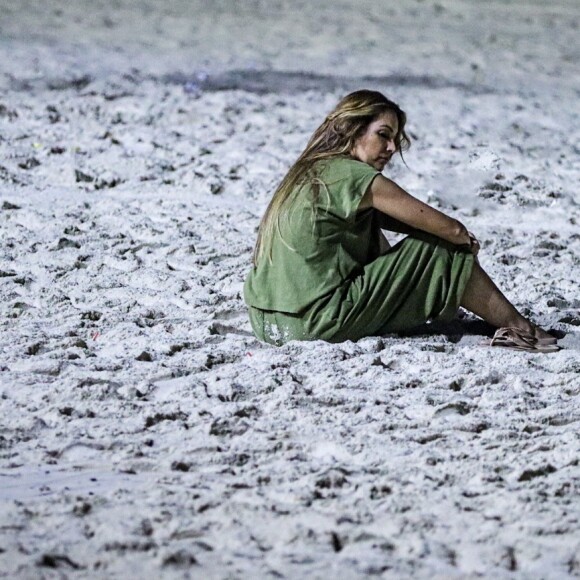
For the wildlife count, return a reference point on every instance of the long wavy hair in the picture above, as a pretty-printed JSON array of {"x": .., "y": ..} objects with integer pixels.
[{"x": 335, "y": 137}]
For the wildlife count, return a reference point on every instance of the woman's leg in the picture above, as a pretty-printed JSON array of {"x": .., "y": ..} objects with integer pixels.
[
  {"x": 483, "y": 297},
  {"x": 416, "y": 280}
]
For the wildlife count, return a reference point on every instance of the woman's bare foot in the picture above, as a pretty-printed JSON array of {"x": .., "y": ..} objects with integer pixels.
[
  {"x": 483, "y": 297},
  {"x": 543, "y": 336}
]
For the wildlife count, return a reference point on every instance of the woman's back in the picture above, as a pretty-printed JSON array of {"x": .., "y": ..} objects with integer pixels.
[{"x": 322, "y": 239}]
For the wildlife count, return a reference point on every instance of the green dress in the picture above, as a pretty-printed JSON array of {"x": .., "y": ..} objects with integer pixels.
[{"x": 326, "y": 278}]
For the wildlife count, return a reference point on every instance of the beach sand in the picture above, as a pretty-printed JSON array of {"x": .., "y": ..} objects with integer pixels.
[{"x": 144, "y": 431}]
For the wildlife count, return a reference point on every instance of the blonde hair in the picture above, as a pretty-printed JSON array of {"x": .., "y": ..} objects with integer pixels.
[{"x": 335, "y": 137}]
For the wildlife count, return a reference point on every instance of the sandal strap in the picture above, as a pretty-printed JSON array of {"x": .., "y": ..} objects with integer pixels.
[{"x": 517, "y": 339}]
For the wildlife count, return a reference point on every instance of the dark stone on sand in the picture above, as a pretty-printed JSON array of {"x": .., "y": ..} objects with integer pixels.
[
  {"x": 5, "y": 112},
  {"x": 74, "y": 83},
  {"x": 456, "y": 408},
  {"x": 180, "y": 559},
  {"x": 550, "y": 245},
  {"x": 91, "y": 315},
  {"x": 107, "y": 183},
  {"x": 8, "y": 177},
  {"x": 158, "y": 417},
  {"x": 81, "y": 177},
  {"x": 248, "y": 412},
  {"x": 456, "y": 385},
  {"x": 509, "y": 559},
  {"x": 54, "y": 115},
  {"x": 334, "y": 478},
  {"x": 572, "y": 319},
  {"x": 530, "y": 474},
  {"x": 241, "y": 459},
  {"x": 57, "y": 561},
  {"x": 493, "y": 186},
  {"x": 175, "y": 348},
  {"x": 134, "y": 546},
  {"x": 180, "y": 466},
  {"x": 336, "y": 542},
  {"x": 66, "y": 243},
  {"x": 29, "y": 163},
  {"x": 216, "y": 188},
  {"x": 380, "y": 491},
  {"x": 560, "y": 302},
  {"x": 23, "y": 280},
  {"x": 82, "y": 509},
  {"x": 34, "y": 349},
  {"x": 10, "y": 206},
  {"x": 228, "y": 427}
]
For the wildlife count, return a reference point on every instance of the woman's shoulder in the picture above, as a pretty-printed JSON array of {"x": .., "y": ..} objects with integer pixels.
[
  {"x": 343, "y": 167},
  {"x": 344, "y": 181},
  {"x": 344, "y": 164}
]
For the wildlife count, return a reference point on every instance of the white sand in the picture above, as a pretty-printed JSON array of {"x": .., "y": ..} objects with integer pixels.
[{"x": 130, "y": 194}]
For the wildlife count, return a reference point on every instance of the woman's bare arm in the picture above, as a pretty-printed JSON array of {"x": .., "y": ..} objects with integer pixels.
[
  {"x": 387, "y": 197},
  {"x": 386, "y": 222}
]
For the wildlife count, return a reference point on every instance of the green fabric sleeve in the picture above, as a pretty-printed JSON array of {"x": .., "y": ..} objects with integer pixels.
[{"x": 345, "y": 184}]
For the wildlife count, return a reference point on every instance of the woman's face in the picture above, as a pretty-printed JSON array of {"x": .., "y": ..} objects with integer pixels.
[{"x": 377, "y": 145}]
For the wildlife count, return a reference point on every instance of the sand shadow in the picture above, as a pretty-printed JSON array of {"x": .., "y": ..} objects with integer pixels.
[
  {"x": 291, "y": 82},
  {"x": 457, "y": 328},
  {"x": 454, "y": 330}
]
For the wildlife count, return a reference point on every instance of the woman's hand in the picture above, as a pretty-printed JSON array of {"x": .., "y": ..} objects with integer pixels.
[{"x": 474, "y": 246}]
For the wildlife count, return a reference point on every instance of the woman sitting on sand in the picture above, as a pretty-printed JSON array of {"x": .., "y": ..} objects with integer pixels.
[{"x": 324, "y": 270}]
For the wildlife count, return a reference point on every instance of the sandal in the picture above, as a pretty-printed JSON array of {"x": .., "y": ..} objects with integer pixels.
[
  {"x": 516, "y": 339},
  {"x": 528, "y": 335}
]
